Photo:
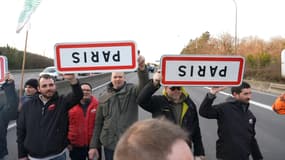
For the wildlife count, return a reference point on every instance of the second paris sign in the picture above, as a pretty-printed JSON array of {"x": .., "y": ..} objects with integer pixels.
[{"x": 202, "y": 70}]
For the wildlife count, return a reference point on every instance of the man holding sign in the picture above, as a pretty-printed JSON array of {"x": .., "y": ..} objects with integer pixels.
[
  {"x": 8, "y": 112},
  {"x": 176, "y": 106},
  {"x": 236, "y": 124},
  {"x": 117, "y": 111},
  {"x": 43, "y": 121}
]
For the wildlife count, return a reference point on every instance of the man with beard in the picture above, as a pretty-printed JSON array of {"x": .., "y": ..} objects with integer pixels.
[
  {"x": 236, "y": 124},
  {"x": 176, "y": 105},
  {"x": 81, "y": 124},
  {"x": 43, "y": 121}
]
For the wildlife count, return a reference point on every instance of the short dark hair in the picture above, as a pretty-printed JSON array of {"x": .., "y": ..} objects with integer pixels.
[
  {"x": 85, "y": 83},
  {"x": 32, "y": 82},
  {"x": 46, "y": 76},
  {"x": 239, "y": 88},
  {"x": 150, "y": 139}
]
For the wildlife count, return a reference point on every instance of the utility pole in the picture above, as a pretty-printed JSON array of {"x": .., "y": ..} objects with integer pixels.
[{"x": 235, "y": 26}]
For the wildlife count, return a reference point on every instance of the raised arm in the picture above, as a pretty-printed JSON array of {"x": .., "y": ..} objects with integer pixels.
[
  {"x": 12, "y": 100},
  {"x": 77, "y": 93},
  {"x": 207, "y": 110},
  {"x": 144, "y": 98},
  {"x": 142, "y": 73}
]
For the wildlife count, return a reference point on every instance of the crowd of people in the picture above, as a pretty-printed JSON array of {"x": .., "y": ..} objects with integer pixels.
[{"x": 50, "y": 125}]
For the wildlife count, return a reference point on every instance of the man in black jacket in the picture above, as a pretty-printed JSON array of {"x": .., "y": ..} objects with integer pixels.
[
  {"x": 43, "y": 121},
  {"x": 8, "y": 112},
  {"x": 236, "y": 124},
  {"x": 175, "y": 105}
]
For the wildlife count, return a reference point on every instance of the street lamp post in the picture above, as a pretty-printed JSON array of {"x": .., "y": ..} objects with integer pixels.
[{"x": 235, "y": 27}]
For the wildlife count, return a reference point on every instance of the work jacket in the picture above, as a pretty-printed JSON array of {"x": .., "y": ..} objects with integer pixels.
[
  {"x": 117, "y": 111},
  {"x": 8, "y": 112},
  {"x": 42, "y": 128},
  {"x": 236, "y": 128},
  {"x": 81, "y": 126},
  {"x": 160, "y": 105}
]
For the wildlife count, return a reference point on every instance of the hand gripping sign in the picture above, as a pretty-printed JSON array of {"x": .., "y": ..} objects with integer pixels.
[
  {"x": 202, "y": 70},
  {"x": 3, "y": 68},
  {"x": 98, "y": 57}
]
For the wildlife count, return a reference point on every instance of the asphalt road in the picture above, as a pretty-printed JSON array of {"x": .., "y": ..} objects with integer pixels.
[{"x": 270, "y": 127}]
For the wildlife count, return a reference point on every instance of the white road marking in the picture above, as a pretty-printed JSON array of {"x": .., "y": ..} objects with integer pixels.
[
  {"x": 251, "y": 101},
  {"x": 221, "y": 92}
]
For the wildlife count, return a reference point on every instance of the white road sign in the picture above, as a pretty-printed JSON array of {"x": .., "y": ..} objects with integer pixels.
[
  {"x": 202, "y": 70},
  {"x": 95, "y": 57},
  {"x": 283, "y": 63},
  {"x": 3, "y": 68}
]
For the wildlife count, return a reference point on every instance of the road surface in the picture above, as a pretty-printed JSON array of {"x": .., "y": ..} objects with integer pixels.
[{"x": 270, "y": 127}]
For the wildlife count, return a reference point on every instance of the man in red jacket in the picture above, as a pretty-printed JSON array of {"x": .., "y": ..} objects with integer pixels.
[{"x": 81, "y": 124}]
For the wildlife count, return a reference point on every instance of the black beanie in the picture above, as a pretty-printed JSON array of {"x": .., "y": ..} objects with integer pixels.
[{"x": 32, "y": 82}]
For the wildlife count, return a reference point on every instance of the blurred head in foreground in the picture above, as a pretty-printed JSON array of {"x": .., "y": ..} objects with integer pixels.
[{"x": 153, "y": 139}]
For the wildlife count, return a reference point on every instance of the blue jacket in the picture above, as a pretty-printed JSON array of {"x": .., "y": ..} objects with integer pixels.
[{"x": 8, "y": 112}]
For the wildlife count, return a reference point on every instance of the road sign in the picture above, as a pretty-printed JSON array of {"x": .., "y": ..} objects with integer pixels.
[
  {"x": 3, "y": 68},
  {"x": 202, "y": 70},
  {"x": 95, "y": 57},
  {"x": 283, "y": 63}
]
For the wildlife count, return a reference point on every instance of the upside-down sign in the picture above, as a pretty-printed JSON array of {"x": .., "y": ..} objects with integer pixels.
[
  {"x": 3, "y": 68},
  {"x": 202, "y": 70},
  {"x": 97, "y": 56}
]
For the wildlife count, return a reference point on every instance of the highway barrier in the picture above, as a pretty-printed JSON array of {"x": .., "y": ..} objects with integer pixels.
[
  {"x": 275, "y": 87},
  {"x": 63, "y": 87},
  {"x": 267, "y": 86},
  {"x": 96, "y": 80}
]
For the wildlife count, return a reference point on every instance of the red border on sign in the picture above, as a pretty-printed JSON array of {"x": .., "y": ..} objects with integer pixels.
[
  {"x": 90, "y": 45},
  {"x": 2, "y": 64},
  {"x": 202, "y": 58}
]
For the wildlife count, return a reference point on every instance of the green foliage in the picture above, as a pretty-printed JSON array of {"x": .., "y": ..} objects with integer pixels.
[
  {"x": 264, "y": 59},
  {"x": 251, "y": 61},
  {"x": 15, "y": 59}
]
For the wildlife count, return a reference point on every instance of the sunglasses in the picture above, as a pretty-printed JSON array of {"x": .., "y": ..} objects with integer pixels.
[{"x": 173, "y": 88}]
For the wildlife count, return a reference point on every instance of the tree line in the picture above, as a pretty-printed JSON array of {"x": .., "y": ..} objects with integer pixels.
[
  {"x": 15, "y": 59},
  {"x": 263, "y": 58}
]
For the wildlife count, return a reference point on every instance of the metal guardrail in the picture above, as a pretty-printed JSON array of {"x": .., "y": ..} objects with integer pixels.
[
  {"x": 26, "y": 70},
  {"x": 63, "y": 87},
  {"x": 277, "y": 87}
]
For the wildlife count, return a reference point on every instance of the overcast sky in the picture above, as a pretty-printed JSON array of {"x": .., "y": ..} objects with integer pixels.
[{"x": 157, "y": 26}]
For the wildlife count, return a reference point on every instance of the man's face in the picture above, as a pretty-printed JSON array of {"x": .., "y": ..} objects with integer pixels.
[
  {"x": 244, "y": 95},
  {"x": 87, "y": 91},
  {"x": 118, "y": 79},
  {"x": 47, "y": 87},
  {"x": 180, "y": 151},
  {"x": 174, "y": 92},
  {"x": 29, "y": 90}
]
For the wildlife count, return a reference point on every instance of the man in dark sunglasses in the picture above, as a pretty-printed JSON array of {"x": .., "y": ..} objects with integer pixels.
[
  {"x": 175, "y": 88},
  {"x": 175, "y": 105}
]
